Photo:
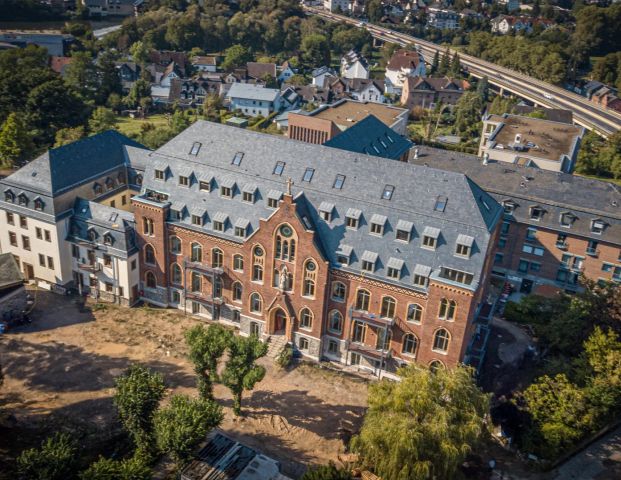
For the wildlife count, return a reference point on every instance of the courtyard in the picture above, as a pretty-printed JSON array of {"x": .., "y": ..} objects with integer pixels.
[{"x": 59, "y": 375}]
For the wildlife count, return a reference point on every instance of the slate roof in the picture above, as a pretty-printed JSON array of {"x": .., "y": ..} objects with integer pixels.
[
  {"x": 10, "y": 275},
  {"x": 586, "y": 198},
  {"x": 61, "y": 168},
  {"x": 470, "y": 211},
  {"x": 373, "y": 137},
  {"x": 252, "y": 92}
]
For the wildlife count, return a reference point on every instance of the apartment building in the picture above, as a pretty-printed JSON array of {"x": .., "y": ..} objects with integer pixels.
[
  {"x": 530, "y": 141},
  {"x": 556, "y": 226},
  {"x": 69, "y": 201},
  {"x": 345, "y": 258}
]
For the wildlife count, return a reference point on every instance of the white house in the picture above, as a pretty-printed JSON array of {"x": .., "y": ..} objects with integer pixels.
[
  {"x": 253, "y": 100},
  {"x": 320, "y": 74},
  {"x": 205, "y": 63},
  {"x": 354, "y": 65},
  {"x": 337, "y": 5},
  {"x": 442, "y": 19},
  {"x": 171, "y": 72},
  {"x": 403, "y": 64},
  {"x": 285, "y": 72},
  {"x": 367, "y": 90}
]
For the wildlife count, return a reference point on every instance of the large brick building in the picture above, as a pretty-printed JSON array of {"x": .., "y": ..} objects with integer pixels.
[
  {"x": 556, "y": 225},
  {"x": 347, "y": 259}
]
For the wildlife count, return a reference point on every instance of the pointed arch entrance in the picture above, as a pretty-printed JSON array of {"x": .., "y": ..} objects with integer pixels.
[{"x": 278, "y": 322}]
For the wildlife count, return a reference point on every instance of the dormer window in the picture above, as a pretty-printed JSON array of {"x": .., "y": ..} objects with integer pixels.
[
  {"x": 404, "y": 230},
  {"x": 22, "y": 199},
  {"x": 394, "y": 268},
  {"x": 421, "y": 275},
  {"x": 598, "y": 226},
  {"x": 509, "y": 206},
  {"x": 38, "y": 204},
  {"x": 159, "y": 174},
  {"x": 567, "y": 219},
  {"x": 248, "y": 193},
  {"x": 368, "y": 261},
  {"x": 9, "y": 196},
  {"x": 463, "y": 246},
  {"x": 91, "y": 234},
  {"x": 107, "y": 239},
  {"x": 204, "y": 185},
  {"x": 377, "y": 224},
  {"x": 273, "y": 197},
  {"x": 430, "y": 238},
  {"x": 241, "y": 227},
  {"x": 387, "y": 192},
  {"x": 109, "y": 183},
  {"x": 343, "y": 255},
  {"x": 226, "y": 192},
  {"x": 536, "y": 213},
  {"x": 184, "y": 181},
  {"x": 196, "y": 146},
  {"x": 219, "y": 221},
  {"x": 197, "y": 220},
  {"x": 440, "y": 204},
  {"x": 325, "y": 211},
  {"x": 352, "y": 218}
]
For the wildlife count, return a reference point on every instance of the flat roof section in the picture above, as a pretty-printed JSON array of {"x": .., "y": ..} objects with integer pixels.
[
  {"x": 537, "y": 138},
  {"x": 347, "y": 112}
]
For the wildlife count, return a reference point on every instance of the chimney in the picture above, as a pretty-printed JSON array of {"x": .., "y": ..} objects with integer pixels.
[
  {"x": 485, "y": 158},
  {"x": 416, "y": 153}
]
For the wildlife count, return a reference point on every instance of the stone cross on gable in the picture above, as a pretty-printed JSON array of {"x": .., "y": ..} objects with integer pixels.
[{"x": 289, "y": 185}]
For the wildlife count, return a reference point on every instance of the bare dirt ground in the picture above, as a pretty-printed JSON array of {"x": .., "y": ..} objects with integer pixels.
[{"x": 60, "y": 370}]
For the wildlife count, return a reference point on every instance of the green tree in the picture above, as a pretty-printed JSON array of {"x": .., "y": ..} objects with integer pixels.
[
  {"x": 140, "y": 90},
  {"x": 241, "y": 371},
  {"x": 53, "y": 461},
  {"x": 102, "y": 119},
  {"x": 68, "y": 135},
  {"x": 108, "y": 469},
  {"x": 374, "y": 10},
  {"x": 315, "y": 49},
  {"x": 468, "y": 114},
  {"x": 211, "y": 107},
  {"x": 455, "y": 70},
  {"x": 327, "y": 472},
  {"x": 82, "y": 75},
  {"x": 387, "y": 51},
  {"x": 15, "y": 141},
  {"x": 183, "y": 424},
  {"x": 603, "y": 353},
  {"x": 423, "y": 426},
  {"x": 139, "y": 52},
  {"x": 483, "y": 89},
  {"x": 207, "y": 345},
  {"x": 236, "y": 56},
  {"x": 137, "y": 397},
  {"x": 445, "y": 63},
  {"x": 109, "y": 80},
  {"x": 435, "y": 63}
]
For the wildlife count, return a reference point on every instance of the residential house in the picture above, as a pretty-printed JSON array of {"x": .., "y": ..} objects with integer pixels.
[
  {"x": 128, "y": 72},
  {"x": 253, "y": 100},
  {"x": 337, "y": 5},
  {"x": 530, "y": 142},
  {"x": 57, "y": 44},
  {"x": 556, "y": 226},
  {"x": 427, "y": 92},
  {"x": 505, "y": 24},
  {"x": 372, "y": 137},
  {"x": 354, "y": 65},
  {"x": 321, "y": 74},
  {"x": 205, "y": 63},
  {"x": 403, "y": 64},
  {"x": 362, "y": 89},
  {"x": 512, "y": 5},
  {"x": 261, "y": 71},
  {"x": 285, "y": 72},
  {"x": 171, "y": 72},
  {"x": 105, "y": 8},
  {"x": 442, "y": 19},
  {"x": 59, "y": 64},
  {"x": 164, "y": 58}
]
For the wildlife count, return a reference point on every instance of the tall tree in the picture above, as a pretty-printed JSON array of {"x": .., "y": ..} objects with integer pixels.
[
  {"x": 374, "y": 10},
  {"x": 53, "y": 461},
  {"x": 483, "y": 89},
  {"x": 241, "y": 371},
  {"x": 435, "y": 63},
  {"x": 423, "y": 426},
  {"x": 81, "y": 74},
  {"x": 109, "y": 80},
  {"x": 101, "y": 120},
  {"x": 236, "y": 56},
  {"x": 207, "y": 345},
  {"x": 68, "y": 135},
  {"x": 316, "y": 50},
  {"x": 183, "y": 424},
  {"x": 15, "y": 141},
  {"x": 455, "y": 66},
  {"x": 139, "y": 52},
  {"x": 137, "y": 397},
  {"x": 445, "y": 63}
]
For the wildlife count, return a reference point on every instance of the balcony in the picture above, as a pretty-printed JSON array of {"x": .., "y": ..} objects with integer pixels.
[
  {"x": 202, "y": 297},
  {"x": 371, "y": 318},
  {"x": 592, "y": 252},
  {"x": 201, "y": 267},
  {"x": 562, "y": 245},
  {"x": 369, "y": 351},
  {"x": 89, "y": 267}
]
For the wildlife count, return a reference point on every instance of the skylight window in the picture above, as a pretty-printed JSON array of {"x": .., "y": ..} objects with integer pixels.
[
  {"x": 339, "y": 181},
  {"x": 237, "y": 159},
  {"x": 308, "y": 174},
  {"x": 441, "y": 202},
  {"x": 388, "y": 191},
  {"x": 279, "y": 168},
  {"x": 196, "y": 146}
]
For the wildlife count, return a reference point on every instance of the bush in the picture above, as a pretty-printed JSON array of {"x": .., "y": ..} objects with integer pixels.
[
  {"x": 327, "y": 472},
  {"x": 53, "y": 461},
  {"x": 285, "y": 357}
]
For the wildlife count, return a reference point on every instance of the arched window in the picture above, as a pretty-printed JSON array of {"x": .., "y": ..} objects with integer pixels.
[
  {"x": 176, "y": 276},
  {"x": 92, "y": 235},
  {"x": 415, "y": 313},
  {"x": 310, "y": 275},
  {"x": 363, "y": 299},
  {"x": 389, "y": 305},
  {"x": 409, "y": 345},
  {"x": 196, "y": 282},
  {"x": 38, "y": 204},
  {"x": 441, "y": 340},
  {"x": 285, "y": 244},
  {"x": 149, "y": 254},
  {"x": 258, "y": 260},
  {"x": 447, "y": 309},
  {"x": 217, "y": 258},
  {"x": 254, "y": 328},
  {"x": 257, "y": 273},
  {"x": 335, "y": 322},
  {"x": 384, "y": 338},
  {"x": 256, "y": 303},
  {"x": 150, "y": 280},
  {"x": 175, "y": 245},
  {"x": 338, "y": 291},
  {"x": 217, "y": 287},
  {"x": 435, "y": 365},
  {"x": 306, "y": 318},
  {"x": 196, "y": 252},
  {"x": 139, "y": 179},
  {"x": 238, "y": 263},
  {"x": 237, "y": 292}
]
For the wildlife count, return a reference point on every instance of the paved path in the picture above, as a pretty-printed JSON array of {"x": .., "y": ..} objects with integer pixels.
[
  {"x": 102, "y": 32},
  {"x": 600, "y": 461}
]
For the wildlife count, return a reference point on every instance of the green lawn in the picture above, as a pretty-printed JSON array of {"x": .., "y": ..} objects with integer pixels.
[{"x": 131, "y": 126}]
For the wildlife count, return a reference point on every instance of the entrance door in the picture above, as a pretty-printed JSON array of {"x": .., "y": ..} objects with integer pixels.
[
  {"x": 527, "y": 286},
  {"x": 28, "y": 271},
  {"x": 280, "y": 322}
]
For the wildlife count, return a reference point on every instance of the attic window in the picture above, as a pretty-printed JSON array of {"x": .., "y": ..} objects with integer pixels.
[
  {"x": 22, "y": 199},
  {"x": 388, "y": 191},
  {"x": 339, "y": 181},
  {"x": 279, "y": 168},
  {"x": 184, "y": 181},
  {"x": 92, "y": 234},
  {"x": 38, "y": 204},
  {"x": 237, "y": 159},
  {"x": 159, "y": 174},
  {"x": 107, "y": 239},
  {"x": 308, "y": 174},
  {"x": 509, "y": 206},
  {"x": 536, "y": 213},
  {"x": 567, "y": 219},
  {"x": 205, "y": 186},
  {"x": 9, "y": 196},
  {"x": 441, "y": 202},
  {"x": 196, "y": 146},
  {"x": 598, "y": 226}
]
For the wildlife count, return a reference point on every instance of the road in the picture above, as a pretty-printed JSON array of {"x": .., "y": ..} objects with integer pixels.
[
  {"x": 102, "y": 32},
  {"x": 585, "y": 113}
]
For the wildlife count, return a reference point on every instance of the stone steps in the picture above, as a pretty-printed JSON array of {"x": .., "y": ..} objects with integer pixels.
[{"x": 275, "y": 345}]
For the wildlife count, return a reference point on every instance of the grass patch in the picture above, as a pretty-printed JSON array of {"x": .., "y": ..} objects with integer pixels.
[{"x": 132, "y": 126}]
